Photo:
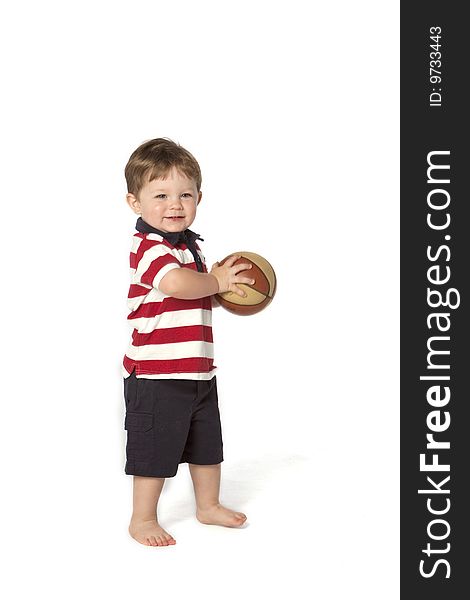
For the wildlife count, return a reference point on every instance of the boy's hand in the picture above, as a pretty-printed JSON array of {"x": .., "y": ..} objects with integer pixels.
[{"x": 226, "y": 275}]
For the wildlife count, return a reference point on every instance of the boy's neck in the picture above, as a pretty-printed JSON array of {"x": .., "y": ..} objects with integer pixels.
[{"x": 173, "y": 237}]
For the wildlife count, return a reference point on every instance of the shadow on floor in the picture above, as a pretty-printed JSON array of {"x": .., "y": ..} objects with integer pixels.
[{"x": 241, "y": 482}]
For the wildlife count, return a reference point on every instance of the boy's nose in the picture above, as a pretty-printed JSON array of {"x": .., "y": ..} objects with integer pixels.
[{"x": 176, "y": 201}]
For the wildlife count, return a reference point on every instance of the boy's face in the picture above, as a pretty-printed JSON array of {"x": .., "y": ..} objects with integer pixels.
[{"x": 167, "y": 204}]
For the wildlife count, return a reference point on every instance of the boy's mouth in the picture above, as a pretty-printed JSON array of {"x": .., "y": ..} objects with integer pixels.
[{"x": 174, "y": 218}]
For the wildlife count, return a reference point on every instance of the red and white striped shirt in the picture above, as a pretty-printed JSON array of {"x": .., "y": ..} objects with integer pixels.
[{"x": 172, "y": 337}]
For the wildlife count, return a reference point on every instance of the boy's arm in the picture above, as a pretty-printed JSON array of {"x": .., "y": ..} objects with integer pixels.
[{"x": 188, "y": 285}]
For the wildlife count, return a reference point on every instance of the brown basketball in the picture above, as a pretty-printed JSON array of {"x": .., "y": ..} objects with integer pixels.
[{"x": 259, "y": 295}]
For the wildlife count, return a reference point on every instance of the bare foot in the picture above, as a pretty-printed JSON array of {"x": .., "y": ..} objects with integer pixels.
[
  {"x": 219, "y": 515},
  {"x": 150, "y": 533}
]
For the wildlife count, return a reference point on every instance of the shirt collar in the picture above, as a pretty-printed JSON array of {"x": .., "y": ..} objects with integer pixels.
[{"x": 187, "y": 236}]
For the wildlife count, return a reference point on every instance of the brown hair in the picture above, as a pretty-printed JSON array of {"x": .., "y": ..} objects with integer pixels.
[{"x": 154, "y": 159}]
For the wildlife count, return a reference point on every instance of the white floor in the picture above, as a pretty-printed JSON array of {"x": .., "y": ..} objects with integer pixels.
[
  {"x": 266, "y": 556},
  {"x": 302, "y": 539},
  {"x": 311, "y": 533}
]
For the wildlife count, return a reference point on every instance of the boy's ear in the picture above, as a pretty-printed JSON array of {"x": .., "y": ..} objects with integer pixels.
[
  {"x": 199, "y": 198},
  {"x": 134, "y": 203}
]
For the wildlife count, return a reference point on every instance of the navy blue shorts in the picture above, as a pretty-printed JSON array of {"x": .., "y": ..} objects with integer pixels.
[{"x": 171, "y": 421}]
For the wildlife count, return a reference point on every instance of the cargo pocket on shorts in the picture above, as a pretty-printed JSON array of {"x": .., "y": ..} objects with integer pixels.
[{"x": 139, "y": 435}]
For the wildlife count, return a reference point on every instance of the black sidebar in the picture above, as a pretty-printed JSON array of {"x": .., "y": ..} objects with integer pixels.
[{"x": 435, "y": 299}]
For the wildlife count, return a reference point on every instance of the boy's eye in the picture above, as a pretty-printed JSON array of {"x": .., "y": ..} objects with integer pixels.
[{"x": 164, "y": 195}]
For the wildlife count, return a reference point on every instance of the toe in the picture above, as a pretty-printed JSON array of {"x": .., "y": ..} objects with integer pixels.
[
  {"x": 241, "y": 518},
  {"x": 152, "y": 540}
]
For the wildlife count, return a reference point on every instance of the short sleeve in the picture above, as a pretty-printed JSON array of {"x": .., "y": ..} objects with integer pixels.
[{"x": 154, "y": 260}]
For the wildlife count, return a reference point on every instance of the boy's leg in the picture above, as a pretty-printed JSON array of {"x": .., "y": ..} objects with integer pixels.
[
  {"x": 144, "y": 525},
  {"x": 206, "y": 482}
]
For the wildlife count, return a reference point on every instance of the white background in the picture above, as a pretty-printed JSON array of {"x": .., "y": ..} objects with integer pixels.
[{"x": 291, "y": 109}]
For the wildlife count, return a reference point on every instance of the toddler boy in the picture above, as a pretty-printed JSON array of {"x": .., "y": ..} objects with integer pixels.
[{"x": 170, "y": 387}]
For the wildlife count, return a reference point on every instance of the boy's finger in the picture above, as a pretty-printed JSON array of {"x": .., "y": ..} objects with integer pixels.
[
  {"x": 243, "y": 267},
  {"x": 233, "y": 258},
  {"x": 239, "y": 291}
]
